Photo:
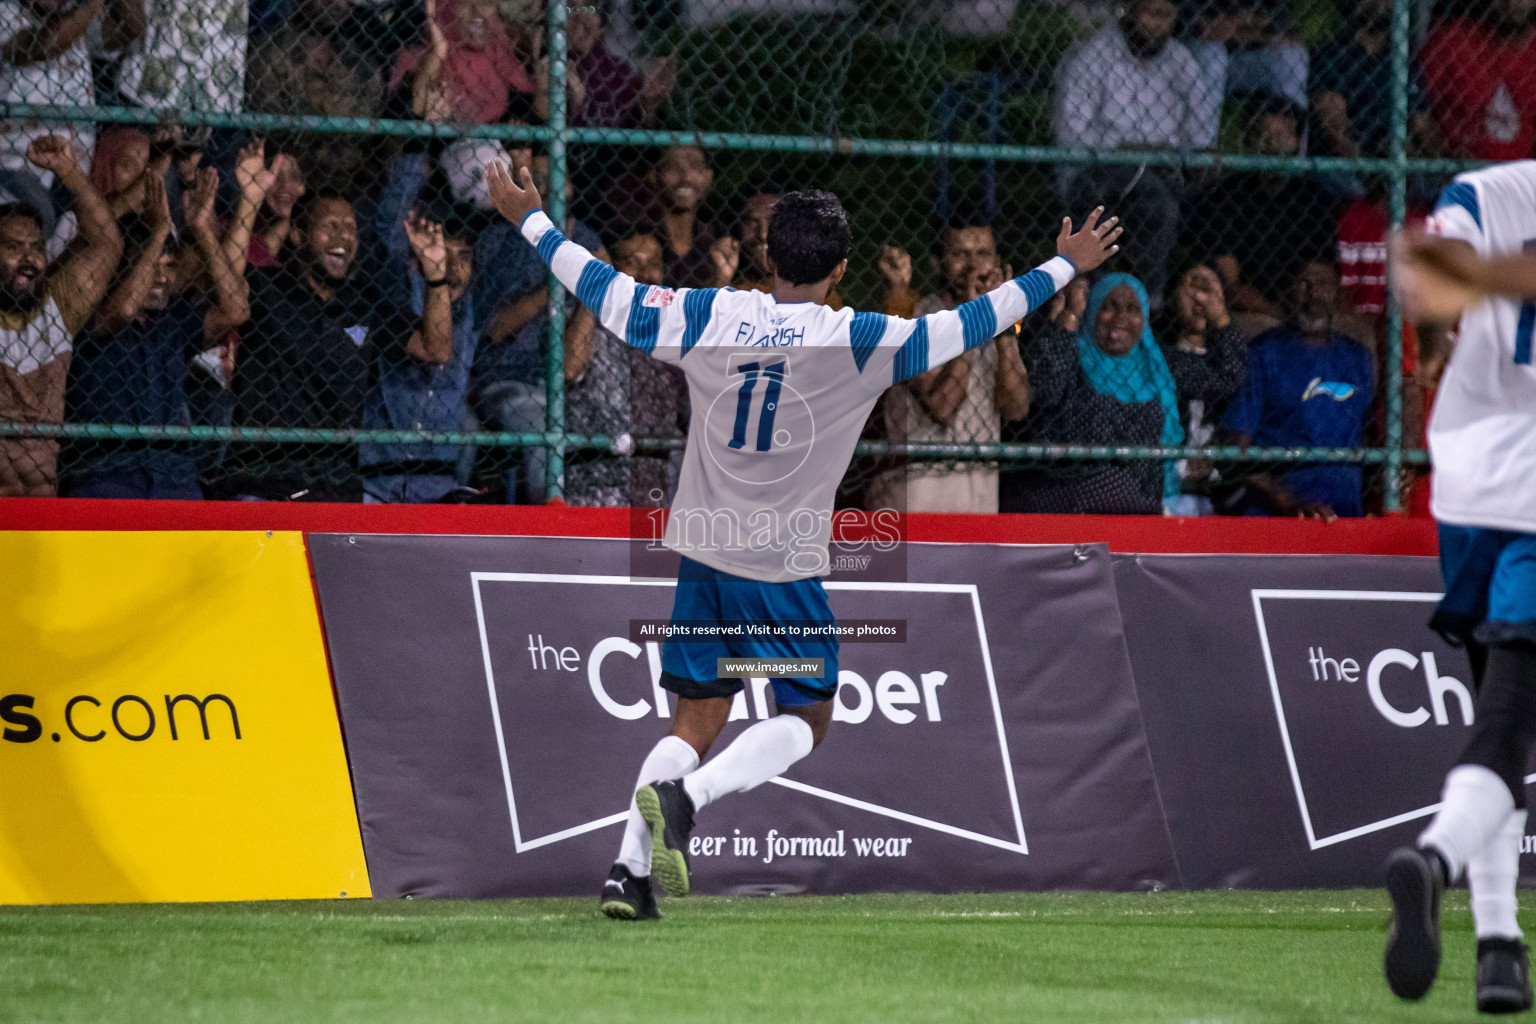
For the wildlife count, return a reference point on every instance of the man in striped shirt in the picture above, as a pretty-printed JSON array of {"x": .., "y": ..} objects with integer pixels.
[{"x": 780, "y": 388}]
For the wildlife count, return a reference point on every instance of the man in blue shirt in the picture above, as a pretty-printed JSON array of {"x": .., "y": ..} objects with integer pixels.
[
  {"x": 412, "y": 394},
  {"x": 1307, "y": 386}
]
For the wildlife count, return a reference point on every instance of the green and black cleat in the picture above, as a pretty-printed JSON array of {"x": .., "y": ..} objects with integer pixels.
[
  {"x": 627, "y": 898},
  {"x": 668, "y": 813}
]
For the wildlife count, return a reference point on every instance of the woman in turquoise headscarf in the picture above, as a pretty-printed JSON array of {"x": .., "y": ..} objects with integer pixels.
[{"x": 1098, "y": 376}]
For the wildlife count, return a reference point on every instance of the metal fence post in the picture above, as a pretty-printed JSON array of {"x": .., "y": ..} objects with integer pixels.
[
  {"x": 1393, "y": 498},
  {"x": 554, "y": 204}
]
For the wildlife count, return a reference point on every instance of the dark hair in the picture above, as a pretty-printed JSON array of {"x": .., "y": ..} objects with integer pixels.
[
  {"x": 27, "y": 210},
  {"x": 309, "y": 201},
  {"x": 962, "y": 219},
  {"x": 458, "y": 228},
  {"x": 1264, "y": 105},
  {"x": 808, "y": 236},
  {"x": 757, "y": 185}
]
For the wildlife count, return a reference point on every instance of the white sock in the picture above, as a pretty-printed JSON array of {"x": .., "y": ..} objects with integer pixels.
[
  {"x": 763, "y": 751},
  {"x": 1474, "y": 807},
  {"x": 1492, "y": 873},
  {"x": 672, "y": 758}
]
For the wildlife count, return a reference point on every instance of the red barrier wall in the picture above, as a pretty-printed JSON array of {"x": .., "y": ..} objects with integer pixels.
[{"x": 1149, "y": 534}]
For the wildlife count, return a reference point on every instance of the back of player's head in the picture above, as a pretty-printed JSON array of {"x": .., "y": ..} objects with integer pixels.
[{"x": 808, "y": 236}]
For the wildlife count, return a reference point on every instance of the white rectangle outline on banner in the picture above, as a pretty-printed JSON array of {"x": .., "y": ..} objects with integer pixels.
[
  {"x": 1021, "y": 847},
  {"x": 1285, "y": 734}
]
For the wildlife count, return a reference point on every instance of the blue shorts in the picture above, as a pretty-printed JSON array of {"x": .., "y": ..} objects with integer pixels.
[
  {"x": 1490, "y": 585},
  {"x": 688, "y": 666}
]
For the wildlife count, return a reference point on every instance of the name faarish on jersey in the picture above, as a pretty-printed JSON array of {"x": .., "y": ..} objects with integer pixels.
[{"x": 769, "y": 337}]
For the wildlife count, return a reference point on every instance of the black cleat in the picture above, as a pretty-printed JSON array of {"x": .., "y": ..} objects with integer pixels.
[
  {"x": 627, "y": 898},
  {"x": 668, "y": 813},
  {"x": 1503, "y": 976},
  {"x": 1415, "y": 879}
]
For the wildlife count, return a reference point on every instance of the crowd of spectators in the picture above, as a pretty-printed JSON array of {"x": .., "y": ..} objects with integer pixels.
[{"x": 158, "y": 276}]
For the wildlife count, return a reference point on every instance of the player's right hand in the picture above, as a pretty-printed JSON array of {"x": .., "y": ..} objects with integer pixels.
[
  {"x": 1435, "y": 279},
  {"x": 1091, "y": 246},
  {"x": 514, "y": 200}
]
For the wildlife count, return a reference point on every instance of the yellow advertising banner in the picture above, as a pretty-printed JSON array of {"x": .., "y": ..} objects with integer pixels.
[{"x": 168, "y": 726}]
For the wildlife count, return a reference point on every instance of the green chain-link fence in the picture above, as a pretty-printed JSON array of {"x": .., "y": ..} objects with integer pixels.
[{"x": 234, "y": 300}]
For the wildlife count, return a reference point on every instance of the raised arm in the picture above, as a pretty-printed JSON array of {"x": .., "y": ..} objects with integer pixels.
[
  {"x": 100, "y": 243},
  {"x": 255, "y": 177},
  {"x": 1438, "y": 278},
  {"x": 637, "y": 314},
  {"x": 57, "y": 33},
  {"x": 126, "y": 300},
  {"x": 939, "y": 337},
  {"x": 407, "y": 172},
  {"x": 231, "y": 305},
  {"x": 432, "y": 341}
]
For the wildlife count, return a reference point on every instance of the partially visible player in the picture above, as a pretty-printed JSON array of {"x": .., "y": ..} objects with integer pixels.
[
  {"x": 780, "y": 388},
  {"x": 1480, "y": 265}
]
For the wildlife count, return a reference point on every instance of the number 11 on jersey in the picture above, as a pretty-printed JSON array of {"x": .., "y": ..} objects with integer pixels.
[{"x": 775, "y": 374}]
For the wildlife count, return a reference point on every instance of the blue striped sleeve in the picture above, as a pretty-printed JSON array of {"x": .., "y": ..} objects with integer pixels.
[
  {"x": 1459, "y": 193},
  {"x": 549, "y": 244},
  {"x": 1038, "y": 287},
  {"x": 864, "y": 336},
  {"x": 592, "y": 289},
  {"x": 978, "y": 321},
  {"x": 697, "y": 306},
  {"x": 912, "y": 359},
  {"x": 644, "y": 321}
]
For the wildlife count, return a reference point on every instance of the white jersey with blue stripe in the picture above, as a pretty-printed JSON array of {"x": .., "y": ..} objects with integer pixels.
[
  {"x": 779, "y": 394},
  {"x": 1482, "y": 436}
]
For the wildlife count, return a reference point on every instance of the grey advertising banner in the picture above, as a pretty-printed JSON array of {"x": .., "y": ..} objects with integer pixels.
[
  {"x": 496, "y": 709},
  {"x": 1300, "y": 713}
]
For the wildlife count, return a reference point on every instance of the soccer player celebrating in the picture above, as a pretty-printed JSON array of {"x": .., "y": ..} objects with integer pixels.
[
  {"x": 1478, "y": 265},
  {"x": 780, "y": 387}
]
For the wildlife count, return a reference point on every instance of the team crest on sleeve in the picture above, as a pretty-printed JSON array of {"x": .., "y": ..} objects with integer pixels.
[{"x": 659, "y": 298}]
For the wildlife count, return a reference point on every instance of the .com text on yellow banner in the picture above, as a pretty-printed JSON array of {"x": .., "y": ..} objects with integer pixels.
[{"x": 168, "y": 726}]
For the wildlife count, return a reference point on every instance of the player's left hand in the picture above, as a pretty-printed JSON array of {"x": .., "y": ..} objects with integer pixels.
[
  {"x": 514, "y": 200},
  {"x": 1091, "y": 246}
]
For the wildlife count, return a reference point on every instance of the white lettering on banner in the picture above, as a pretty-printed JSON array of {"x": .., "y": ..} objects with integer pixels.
[
  {"x": 1396, "y": 681},
  {"x": 610, "y": 645},
  {"x": 1347, "y": 670},
  {"x": 1392, "y": 656},
  {"x": 619, "y": 689},
  {"x": 893, "y": 691},
  {"x": 777, "y": 847},
  {"x": 1438, "y": 685}
]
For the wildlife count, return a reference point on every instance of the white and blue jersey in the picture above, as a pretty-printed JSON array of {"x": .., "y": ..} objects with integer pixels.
[
  {"x": 1482, "y": 436},
  {"x": 1483, "y": 432},
  {"x": 779, "y": 393}
]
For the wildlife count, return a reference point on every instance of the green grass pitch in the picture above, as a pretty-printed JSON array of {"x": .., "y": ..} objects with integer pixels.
[{"x": 1175, "y": 957}]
